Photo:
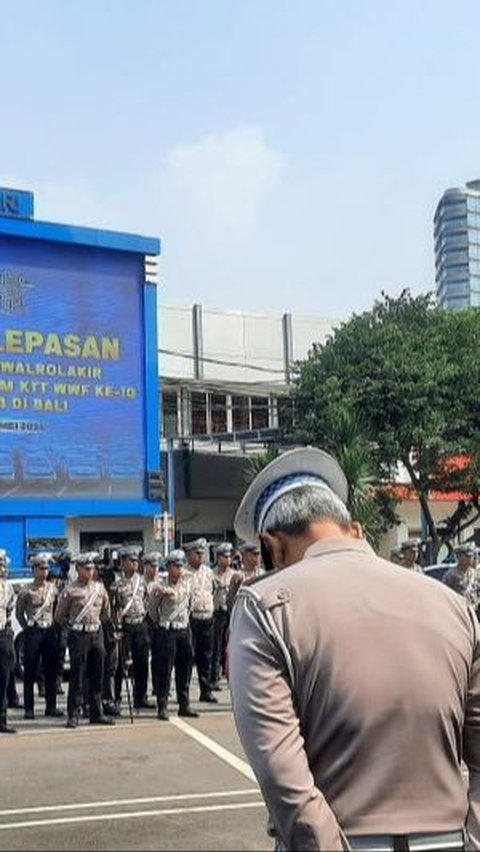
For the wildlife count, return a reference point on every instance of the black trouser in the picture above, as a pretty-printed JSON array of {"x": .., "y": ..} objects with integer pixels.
[
  {"x": 7, "y": 664},
  {"x": 40, "y": 644},
  {"x": 110, "y": 668},
  {"x": 62, "y": 638},
  {"x": 150, "y": 631},
  {"x": 221, "y": 620},
  {"x": 87, "y": 654},
  {"x": 172, "y": 648},
  {"x": 135, "y": 641},
  {"x": 12, "y": 694},
  {"x": 202, "y": 641}
]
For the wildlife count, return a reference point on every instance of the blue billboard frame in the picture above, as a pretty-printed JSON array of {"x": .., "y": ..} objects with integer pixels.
[{"x": 33, "y": 230}]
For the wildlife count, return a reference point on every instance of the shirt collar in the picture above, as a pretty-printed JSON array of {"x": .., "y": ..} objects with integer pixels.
[{"x": 338, "y": 545}]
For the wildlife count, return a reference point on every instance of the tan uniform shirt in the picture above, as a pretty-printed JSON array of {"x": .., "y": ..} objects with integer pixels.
[
  {"x": 201, "y": 581},
  {"x": 35, "y": 604},
  {"x": 7, "y": 603},
  {"x": 169, "y": 604},
  {"x": 73, "y": 600},
  {"x": 221, "y": 585},
  {"x": 241, "y": 577},
  {"x": 459, "y": 581},
  {"x": 356, "y": 688},
  {"x": 130, "y": 599}
]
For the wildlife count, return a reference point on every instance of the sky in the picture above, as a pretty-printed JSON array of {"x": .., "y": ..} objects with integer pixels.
[{"x": 290, "y": 156}]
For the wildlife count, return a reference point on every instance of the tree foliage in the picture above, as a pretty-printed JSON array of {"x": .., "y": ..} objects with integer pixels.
[{"x": 408, "y": 374}]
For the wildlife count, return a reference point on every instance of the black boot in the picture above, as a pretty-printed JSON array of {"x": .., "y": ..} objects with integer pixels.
[
  {"x": 4, "y": 727},
  {"x": 208, "y": 698},
  {"x": 188, "y": 712}
]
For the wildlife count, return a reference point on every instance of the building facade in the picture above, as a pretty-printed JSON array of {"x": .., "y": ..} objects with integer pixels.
[
  {"x": 225, "y": 379},
  {"x": 79, "y": 395},
  {"x": 457, "y": 247}
]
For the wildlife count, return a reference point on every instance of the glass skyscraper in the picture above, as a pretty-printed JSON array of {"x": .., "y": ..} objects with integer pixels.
[{"x": 457, "y": 247}]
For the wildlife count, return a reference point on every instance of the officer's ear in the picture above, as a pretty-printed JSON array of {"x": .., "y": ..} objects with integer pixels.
[
  {"x": 275, "y": 544},
  {"x": 356, "y": 530}
]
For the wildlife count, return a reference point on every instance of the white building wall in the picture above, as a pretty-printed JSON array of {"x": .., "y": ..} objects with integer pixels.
[
  {"x": 309, "y": 330},
  {"x": 175, "y": 335},
  {"x": 238, "y": 346}
]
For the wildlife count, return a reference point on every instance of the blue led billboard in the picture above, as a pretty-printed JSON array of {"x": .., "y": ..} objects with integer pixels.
[{"x": 72, "y": 371}]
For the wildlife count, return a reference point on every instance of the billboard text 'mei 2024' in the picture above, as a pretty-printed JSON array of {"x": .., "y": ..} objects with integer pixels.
[{"x": 71, "y": 371}]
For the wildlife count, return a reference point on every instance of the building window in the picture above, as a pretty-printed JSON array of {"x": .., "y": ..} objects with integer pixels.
[
  {"x": 285, "y": 413},
  {"x": 219, "y": 412},
  {"x": 259, "y": 412},
  {"x": 170, "y": 414},
  {"x": 240, "y": 413},
  {"x": 199, "y": 414}
]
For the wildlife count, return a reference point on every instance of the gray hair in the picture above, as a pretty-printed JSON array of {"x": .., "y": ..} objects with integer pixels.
[{"x": 296, "y": 509}]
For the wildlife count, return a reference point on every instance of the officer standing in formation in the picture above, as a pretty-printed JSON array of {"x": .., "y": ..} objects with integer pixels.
[
  {"x": 129, "y": 598},
  {"x": 223, "y": 574},
  {"x": 461, "y": 577},
  {"x": 410, "y": 550},
  {"x": 34, "y": 609},
  {"x": 81, "y": 608},
  {"x": 251, "y": 568},
  {"x": 355, "y": 683},
  {"x": 201, "y": 615},
  {"x": 169, "y": 607},
  {"x": 7, "y": 653},
  {"x": 150, "y": 564}
]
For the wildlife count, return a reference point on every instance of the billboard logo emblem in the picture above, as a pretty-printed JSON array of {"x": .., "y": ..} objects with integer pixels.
[{"x": 13, "y": 290}]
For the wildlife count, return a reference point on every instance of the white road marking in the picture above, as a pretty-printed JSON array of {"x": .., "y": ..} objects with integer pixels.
[
  {"x": 40, "y": 809},
  {"x": 221, "y": 752},
  {"x": 199, "y": 809}
]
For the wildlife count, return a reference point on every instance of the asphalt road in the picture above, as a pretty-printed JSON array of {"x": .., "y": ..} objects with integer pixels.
[{"x": 178, "y": 785}]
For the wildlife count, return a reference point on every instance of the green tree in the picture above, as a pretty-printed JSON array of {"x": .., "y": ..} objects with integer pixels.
[{"x": 401, "y": 370}]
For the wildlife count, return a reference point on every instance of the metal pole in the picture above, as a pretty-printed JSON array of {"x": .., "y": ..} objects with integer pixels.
[{"x": 170, "y": 490}]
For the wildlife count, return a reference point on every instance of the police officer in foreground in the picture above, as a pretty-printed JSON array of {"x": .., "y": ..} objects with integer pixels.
[
  {"x": 81, "y": 608},
  {"x": 355, "y": 683},
  {"x": 170, "y": 614},
  {"x": 201, "y": 615},
  {"x": 129, "y": 600},
  {"x": 7, "y": 652},
  {"x": 34, "y": 609}
]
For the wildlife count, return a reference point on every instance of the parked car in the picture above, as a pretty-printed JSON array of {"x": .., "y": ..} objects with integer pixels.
[{"x": 437, "y": 571}]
